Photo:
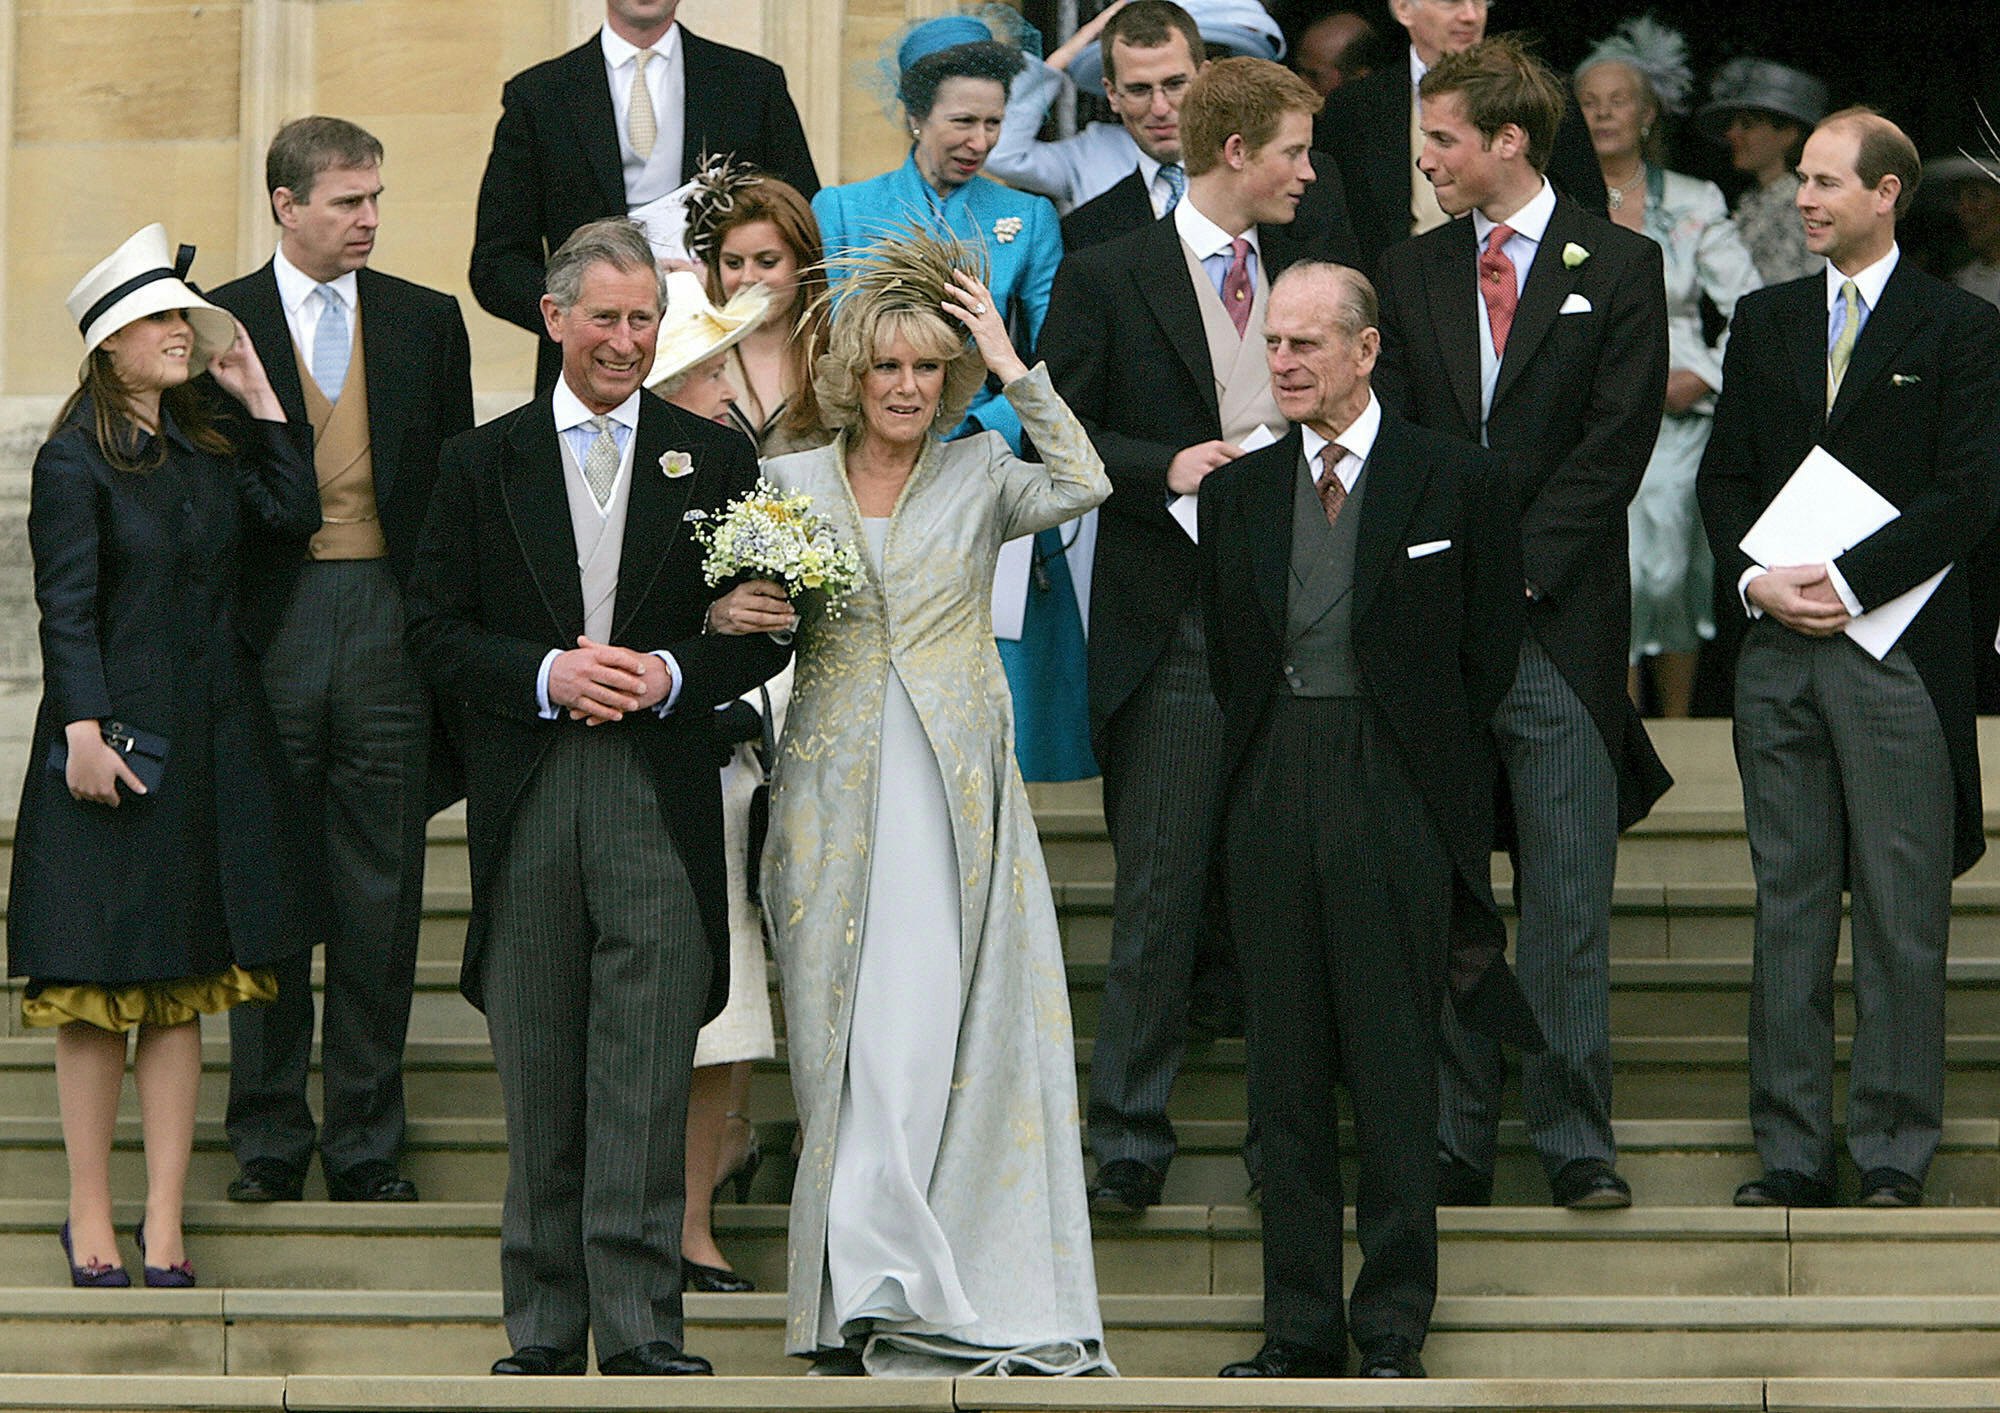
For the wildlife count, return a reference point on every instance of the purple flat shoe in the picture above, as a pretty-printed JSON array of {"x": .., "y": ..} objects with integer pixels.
[
  {"x": 92, "y": 1275},
  {"x": 179, "y": 1277}
]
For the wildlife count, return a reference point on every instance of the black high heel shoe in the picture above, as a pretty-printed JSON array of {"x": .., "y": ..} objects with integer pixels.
[
  {"x": 92, "y": 1275},
  {"x": 745, "y": 1171},
  {"x": 713, "y": 1280},
  {"x": 176, "y": 1277}
]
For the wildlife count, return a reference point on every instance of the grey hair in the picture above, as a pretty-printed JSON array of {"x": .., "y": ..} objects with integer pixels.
[
  {"x": 617, "y": 241},
  {"x": 1355, "y": 308}
]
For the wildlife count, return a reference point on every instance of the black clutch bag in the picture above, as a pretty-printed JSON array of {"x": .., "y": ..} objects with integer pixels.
[{"x": 144, "y": 752}]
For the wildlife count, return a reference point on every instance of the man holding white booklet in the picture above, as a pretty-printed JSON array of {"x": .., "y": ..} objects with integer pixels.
[{"x": 1856, "y": 456}]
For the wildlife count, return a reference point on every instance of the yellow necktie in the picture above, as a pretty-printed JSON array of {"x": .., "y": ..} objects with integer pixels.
[
  {"x": 1843, "y": 346},
  {"x": 642, "y": 125}
]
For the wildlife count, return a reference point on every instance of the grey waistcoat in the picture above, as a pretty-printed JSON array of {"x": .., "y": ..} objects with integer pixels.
[{"x": 1319, "y": 598}]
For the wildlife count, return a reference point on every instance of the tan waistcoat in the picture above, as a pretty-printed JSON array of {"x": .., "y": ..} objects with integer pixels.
[
  {"x": 1242, "y": 378},
  {"x": 350, "y": 528}
]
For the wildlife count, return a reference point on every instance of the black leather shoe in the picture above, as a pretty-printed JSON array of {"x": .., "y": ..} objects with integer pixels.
[
  {"x": 372, "y": 1181},
  {"x": 1889, "y": 1187},
  {"x": 1281, "y": 1359},
  {"x": 1589, "y": 1185},
  {"x": 1784, "y": 1187},
  {"x": 713, "y": 1280},
  {"x": 267, "y": 1180},
  {"x": 655, "y": 1358},
  {"x": 1462, "y": 1185},
  {"x": 540, "y": 1359},
  {"x": 1125, "y": 1187},
  {"x": 1391, "y": 1357}
]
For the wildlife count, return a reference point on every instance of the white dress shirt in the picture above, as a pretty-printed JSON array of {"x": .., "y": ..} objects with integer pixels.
[
  {"x": 1868, "y": 284},
  {"x": 298, "y": 292},
  {"x": 1357, "y": 440},
  {"x": 573, "y": 426}
]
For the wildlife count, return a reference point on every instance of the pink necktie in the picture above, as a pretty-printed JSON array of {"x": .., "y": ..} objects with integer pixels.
[
  {"x": 1236, "y": 290},
  {"x": 1332, "y": 494},
  {"x": 1497, "y": 286}
]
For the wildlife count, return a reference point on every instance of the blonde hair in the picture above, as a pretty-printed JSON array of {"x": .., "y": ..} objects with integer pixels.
[{"x": 862, "y": 327}]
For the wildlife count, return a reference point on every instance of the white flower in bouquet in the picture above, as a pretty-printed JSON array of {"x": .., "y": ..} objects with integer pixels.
[{"x": 768, "y": 534}]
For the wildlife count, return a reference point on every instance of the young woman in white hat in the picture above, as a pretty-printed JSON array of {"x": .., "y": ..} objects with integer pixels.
[{"x": 153, "y": 871}]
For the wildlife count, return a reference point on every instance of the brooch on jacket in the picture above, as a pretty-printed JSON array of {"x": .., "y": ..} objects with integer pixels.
[{"x": 1006, "y": 228}]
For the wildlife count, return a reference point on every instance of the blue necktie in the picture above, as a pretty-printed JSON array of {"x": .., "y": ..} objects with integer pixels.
[
  {"x": 332, "y": 344},
  {"x": 1176, "y": 176}
]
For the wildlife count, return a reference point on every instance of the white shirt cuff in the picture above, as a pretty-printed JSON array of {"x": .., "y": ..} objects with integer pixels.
[
  {"x": 1743, "y": 590},
  {"x": 1847, "y": 599},
  {"x": 673, "y": 692},
  {"x": 543, "y": 705}
]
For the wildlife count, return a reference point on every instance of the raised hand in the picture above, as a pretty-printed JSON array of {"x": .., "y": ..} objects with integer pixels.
[{"x": 972, "y": 305}]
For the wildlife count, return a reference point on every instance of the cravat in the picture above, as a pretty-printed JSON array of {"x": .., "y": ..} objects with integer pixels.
[
  {"x": 1497, "y": 286},
  {"x": 332, "y": 345},
  {"x": 1332, "y": 495},
  {"x": 1236, "y": 285},
  {"x": 600, "y": 466},
  {"x": 1847, "y": 328},
  {"x": 641, "y": 123},
  {"x": 1175, "y": 176}
]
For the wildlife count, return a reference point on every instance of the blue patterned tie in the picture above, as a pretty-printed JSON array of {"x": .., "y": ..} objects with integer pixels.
[
  {"x": 1176, "y": 176},
  {"x": 332, "y": 345}
]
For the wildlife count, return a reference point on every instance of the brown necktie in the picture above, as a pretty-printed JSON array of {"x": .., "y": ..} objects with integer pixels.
[
  {"x": 1498, "y": 287},
  {"x": 1332, "y": 495}
]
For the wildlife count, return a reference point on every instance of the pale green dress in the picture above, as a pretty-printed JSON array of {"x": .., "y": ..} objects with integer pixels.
[{"x": 941, "y": 1132}]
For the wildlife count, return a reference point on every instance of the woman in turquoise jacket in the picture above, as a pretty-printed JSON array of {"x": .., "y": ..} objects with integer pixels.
[{"x": 952, "y": 75}]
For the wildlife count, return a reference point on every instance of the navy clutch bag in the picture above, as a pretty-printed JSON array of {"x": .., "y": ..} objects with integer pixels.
[{"x": 144, "y": 752}]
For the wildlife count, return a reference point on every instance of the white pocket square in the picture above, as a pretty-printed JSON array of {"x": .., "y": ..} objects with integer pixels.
[
  {"x": 1575, "y": 304},
  {"x": 1427, "y": 547}
]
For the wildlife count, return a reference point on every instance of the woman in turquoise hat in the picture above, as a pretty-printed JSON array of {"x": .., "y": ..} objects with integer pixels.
[{"x": 951, "y": 77}]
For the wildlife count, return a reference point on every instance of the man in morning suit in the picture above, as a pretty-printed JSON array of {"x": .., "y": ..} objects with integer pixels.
[
  {"x": 1361, "y": 585},
  {"x": 558, "y": 596},
  {"x": 1370, "y": 128},
  {"x": 1155, "y": 339},
  {"x": 381, "y": 371},
  {"x": 1857, "y": 772},
  {"x": 573, "y": 145},
  {"x": 1540, "y": 331}
]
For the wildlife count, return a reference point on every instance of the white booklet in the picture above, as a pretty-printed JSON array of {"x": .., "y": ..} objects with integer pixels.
[
  {"x": 1823, "y": 511},
  {"x": 1182, "y": 508}
]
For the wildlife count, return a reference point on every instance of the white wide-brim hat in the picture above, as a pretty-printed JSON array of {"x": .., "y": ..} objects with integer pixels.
[
  {"x": 693, "y": 331},
  {"x": 139, "y": 278}
]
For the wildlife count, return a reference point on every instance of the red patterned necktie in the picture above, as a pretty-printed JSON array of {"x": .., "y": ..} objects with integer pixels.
[
  {"x": 1236, "y": 289},
  {"x": 1498, "y": 286},
  {"x": 1332, "y": 494}
]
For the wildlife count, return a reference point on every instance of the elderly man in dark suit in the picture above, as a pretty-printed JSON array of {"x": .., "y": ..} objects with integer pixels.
[
  {"x": 1155, "y": 339},
  {"x": 380, "y": 370},
  {"x": 1858, "y": 771},
  {"x": 1370, "y": 128},
  {"x": 1361, "y": 584},
  {"x": 1540, "y": 331},
  {"x": 558, "y": 597},
  {"x": 616, "y": 123}
]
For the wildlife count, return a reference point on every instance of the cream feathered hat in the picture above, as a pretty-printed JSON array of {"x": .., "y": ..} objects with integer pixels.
[
  {"x": 692, "y": 330},
  {"x": 138, "y": 279}
]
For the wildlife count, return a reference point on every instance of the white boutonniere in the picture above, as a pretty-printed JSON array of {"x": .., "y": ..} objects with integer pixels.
[
  {"x": 1574, "y": 255},
  {"x": 1006, "y": 228},
  {"x": 676, "y": 464},
  {"x": 1904, "y": 380}
]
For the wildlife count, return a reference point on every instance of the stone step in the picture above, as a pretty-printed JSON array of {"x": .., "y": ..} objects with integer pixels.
[
  {"x": 290, "y": 1332},
  {"x": 1171, "y": 1250}
]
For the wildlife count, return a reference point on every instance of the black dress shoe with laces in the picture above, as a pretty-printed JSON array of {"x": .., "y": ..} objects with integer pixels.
[
  {"x": 1391, "y": 1357},
  {"x": 1890, "y": 1187},
  {"x": 655, "y": 1358},
  {"x": 1281, "y": 1359},
  {"x": 372, "y": 1181},
  {"x": 540, "y": 1359},
  {"x": 1784, "y": 1187},
  {"x": 1125, "y": 1187},
  {"x": 267, "y": 1180},
  {"x": 1589, "y": 1185}
]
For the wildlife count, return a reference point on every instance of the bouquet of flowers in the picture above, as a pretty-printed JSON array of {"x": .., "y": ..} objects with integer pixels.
[{"x": 769, "y": 534}]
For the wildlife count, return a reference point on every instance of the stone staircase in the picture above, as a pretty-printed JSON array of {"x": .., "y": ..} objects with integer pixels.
[{"x": 1682, "y": 1303}]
